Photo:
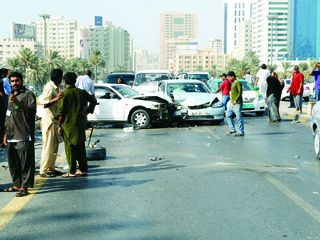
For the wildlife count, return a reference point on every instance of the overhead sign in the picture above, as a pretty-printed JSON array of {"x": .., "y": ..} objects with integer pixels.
[
  {"x": 98, "y": 21},
  {"x": 24, "y": 31}
]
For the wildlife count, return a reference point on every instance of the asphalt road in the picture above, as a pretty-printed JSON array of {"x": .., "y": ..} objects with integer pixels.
[{"x": 204, "y": 184}]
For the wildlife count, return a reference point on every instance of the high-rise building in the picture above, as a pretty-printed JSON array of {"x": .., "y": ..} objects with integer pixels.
[
  {"x": 305, "y": 29},
  {"x": 234, "y": 12},
  {"x": 244, "y": 39},
  {"x": 270, "y": 29},
  {"x": 175, "y": 25},
  {"x": 59, "y": 35},
  {"x": 113, "y": 42}
]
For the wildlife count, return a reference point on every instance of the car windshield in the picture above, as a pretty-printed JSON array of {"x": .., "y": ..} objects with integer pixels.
[
  {"x": 150, "y": 77},
  {"x": 125, "y": 91},
  {"x": 201, "y": 77},
  {"x": 114, "y": 78},
  {"x": 186, "y": 87},
  {"x": 246, "y": 86}
]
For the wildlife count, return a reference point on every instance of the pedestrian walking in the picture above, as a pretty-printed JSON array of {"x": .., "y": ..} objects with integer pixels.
[
  {"x": 2, "y": 110},
  {"x": 261, "y": 79},
  {"x": 6, "y": 84},
  {"x": 316, "y": 73},
  {"x": 225, "y": 87},
  {"x": 49, "y": 125},
  {"x": 296, "y": 88},
  {"x": 85, "y": 82},
  {"x": 72, "y": 124},
  {"x": 274, "y": 90},
  {"x": 19, "y": 135},
  {"x": 234, "y": 106}
]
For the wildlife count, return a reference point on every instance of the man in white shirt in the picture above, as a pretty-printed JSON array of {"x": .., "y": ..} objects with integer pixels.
[
  {"x": 261, "y": 79},
  {"x": 84, "y": 82}
]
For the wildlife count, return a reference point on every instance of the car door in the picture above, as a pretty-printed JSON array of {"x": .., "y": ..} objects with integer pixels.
[{"x": 110, "y": 105}]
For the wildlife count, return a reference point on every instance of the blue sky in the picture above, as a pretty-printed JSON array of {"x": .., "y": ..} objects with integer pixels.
[{"x": 139, "y": 17}]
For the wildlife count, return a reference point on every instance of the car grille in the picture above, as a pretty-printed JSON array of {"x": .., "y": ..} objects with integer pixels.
[
  {"x": 206, "y": 105},
  {"x": 248, "y": 100}
]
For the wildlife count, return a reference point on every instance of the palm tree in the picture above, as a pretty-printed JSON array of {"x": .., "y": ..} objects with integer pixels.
[
  {"x": 26, "y": 58},
  {"x": 54, "y": 60},
  {"x": 14, "y": 64},
  {"x": 272, "y": 67},
  {"x": 96, "y": 59},
  {"x": 242, "y": 68},
  {"x": 286, "y": 69},
  {"x": 72, "y": 65}
]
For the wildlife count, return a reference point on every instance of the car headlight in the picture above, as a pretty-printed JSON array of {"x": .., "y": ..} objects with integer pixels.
[
  {"x": 260, "y": 97},
  {"x": 217, "y": 105}
]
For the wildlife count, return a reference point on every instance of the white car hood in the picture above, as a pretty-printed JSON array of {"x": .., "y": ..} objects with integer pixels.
[
  {"x": 193, "y": 99},
  {"x": 249, "y": 94}
]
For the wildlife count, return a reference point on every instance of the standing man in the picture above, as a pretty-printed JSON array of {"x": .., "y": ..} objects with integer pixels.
[
  {"x": 248, "y": 77},
  {"x": 19, "y": 135},
  {"x": 225, "y": 87},
  {"x": 261, "y": 80},
  {"x": 49, "y": 125},
  {"x": 72, "y": 124},
  {"x": 235, "y": 105},
  {"x": 316, "y": 73},
  {"x": 85, "y": 82},
  {"x": 296, "y": 88}
]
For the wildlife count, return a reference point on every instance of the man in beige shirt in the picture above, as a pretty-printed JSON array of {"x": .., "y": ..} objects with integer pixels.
[{"x": 49, "y": 125}]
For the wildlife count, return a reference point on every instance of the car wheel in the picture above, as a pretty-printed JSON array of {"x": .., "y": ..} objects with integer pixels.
[
  {"x": 316, "y": 143},
  {"x": 140, "y": 118},
  {"x": 260, "y": 114},
  {"x": 95, "y": 153},
  {"x": 306, "y": 99}
]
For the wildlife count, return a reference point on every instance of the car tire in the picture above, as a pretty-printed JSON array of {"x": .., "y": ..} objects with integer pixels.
[
  {"x": 306, "y": 99},
  {"x": 140, "y": 118},
  {"x": 260, "y": 113},
  {"x": 95, "y": 153},
  {"x": 316, "y": 143}
]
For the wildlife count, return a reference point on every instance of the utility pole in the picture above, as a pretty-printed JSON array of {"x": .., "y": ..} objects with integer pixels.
[
  {"x": 45, "y": 17},
  {"x": 271, "y": 18}
]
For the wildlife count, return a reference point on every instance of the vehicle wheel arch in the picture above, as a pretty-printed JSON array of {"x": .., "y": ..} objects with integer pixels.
[{"x": 134, "y": 109}]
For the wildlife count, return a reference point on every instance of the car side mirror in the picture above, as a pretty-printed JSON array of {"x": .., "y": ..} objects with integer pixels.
[{"x": 256, "y": 88}]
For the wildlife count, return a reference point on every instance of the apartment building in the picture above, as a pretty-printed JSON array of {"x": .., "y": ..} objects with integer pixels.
[{"x": 174, "y": 25}]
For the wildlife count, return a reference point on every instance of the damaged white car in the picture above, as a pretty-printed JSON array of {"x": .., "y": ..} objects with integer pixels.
[
  {"x": 120, "y": 103},
  {"x": 193, "y": 100}
]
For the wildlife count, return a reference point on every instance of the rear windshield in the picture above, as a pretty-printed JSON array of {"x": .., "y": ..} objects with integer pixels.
[
  {"x": 150, "y": 77},
  {"x": 201, "y": 77},
  {"x": 114, "y": 78}
]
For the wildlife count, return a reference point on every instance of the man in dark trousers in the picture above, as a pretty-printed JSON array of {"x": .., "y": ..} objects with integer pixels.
[
  {"x": 72, "y": 124},
  {"x": 19, "y": 135}
]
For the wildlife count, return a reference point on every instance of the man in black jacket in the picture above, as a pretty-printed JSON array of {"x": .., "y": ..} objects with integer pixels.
[{"x": 19, "y": 135}]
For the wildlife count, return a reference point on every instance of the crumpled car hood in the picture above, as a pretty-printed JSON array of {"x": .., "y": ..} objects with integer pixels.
[{"x": 193, "y": 99}]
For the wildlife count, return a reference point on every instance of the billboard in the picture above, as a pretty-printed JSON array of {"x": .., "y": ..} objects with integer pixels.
[
  {"x": 23, "y": 31},
  {"x": 98, "y": 21}
]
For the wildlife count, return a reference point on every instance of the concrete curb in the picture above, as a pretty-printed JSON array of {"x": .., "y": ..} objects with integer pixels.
[{"x": 296, "y": 117}]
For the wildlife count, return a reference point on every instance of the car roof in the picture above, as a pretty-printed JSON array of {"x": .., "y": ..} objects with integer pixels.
[
  {"x": 199, "y": 72},
  {"x": 154, "y": 71},
  {"x": 182, "y": 81},
  {"x": 121, "y": 73}
]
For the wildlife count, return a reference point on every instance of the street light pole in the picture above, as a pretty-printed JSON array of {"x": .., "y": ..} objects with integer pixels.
[
  {"x": 45, "y": 17},
  {"x": 271, "y": 18}
]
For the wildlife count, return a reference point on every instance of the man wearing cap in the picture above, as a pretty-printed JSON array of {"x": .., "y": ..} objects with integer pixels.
[{"x": 234, "y": 106}]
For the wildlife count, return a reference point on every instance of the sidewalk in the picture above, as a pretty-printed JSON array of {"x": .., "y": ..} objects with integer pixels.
[{"x": 290, "y": 113}]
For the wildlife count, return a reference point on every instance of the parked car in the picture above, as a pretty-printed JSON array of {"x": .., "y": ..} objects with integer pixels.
[
  {"x": 315, "y": 127},
  {"x": 202, "y": 76},
  {"x": 146, "y": 81},
  {"x": 193, "y": 100},
  {"x": 121, "y": 103},
  {"x": 128, "y": 77},
  {"x": 253, "y": 101},
  {"x": 285, "y": 95}
]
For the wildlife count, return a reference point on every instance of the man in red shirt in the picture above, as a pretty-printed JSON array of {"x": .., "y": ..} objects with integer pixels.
[
  {"x": 296, "y": 88},
  {"x": 225, "y": 87}
]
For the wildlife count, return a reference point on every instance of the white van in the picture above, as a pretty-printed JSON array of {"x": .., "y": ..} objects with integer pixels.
[{"x": 146, "y": 81}]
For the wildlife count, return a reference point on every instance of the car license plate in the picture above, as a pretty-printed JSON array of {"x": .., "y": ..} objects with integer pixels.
[{"x": 246, "y": 105}]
